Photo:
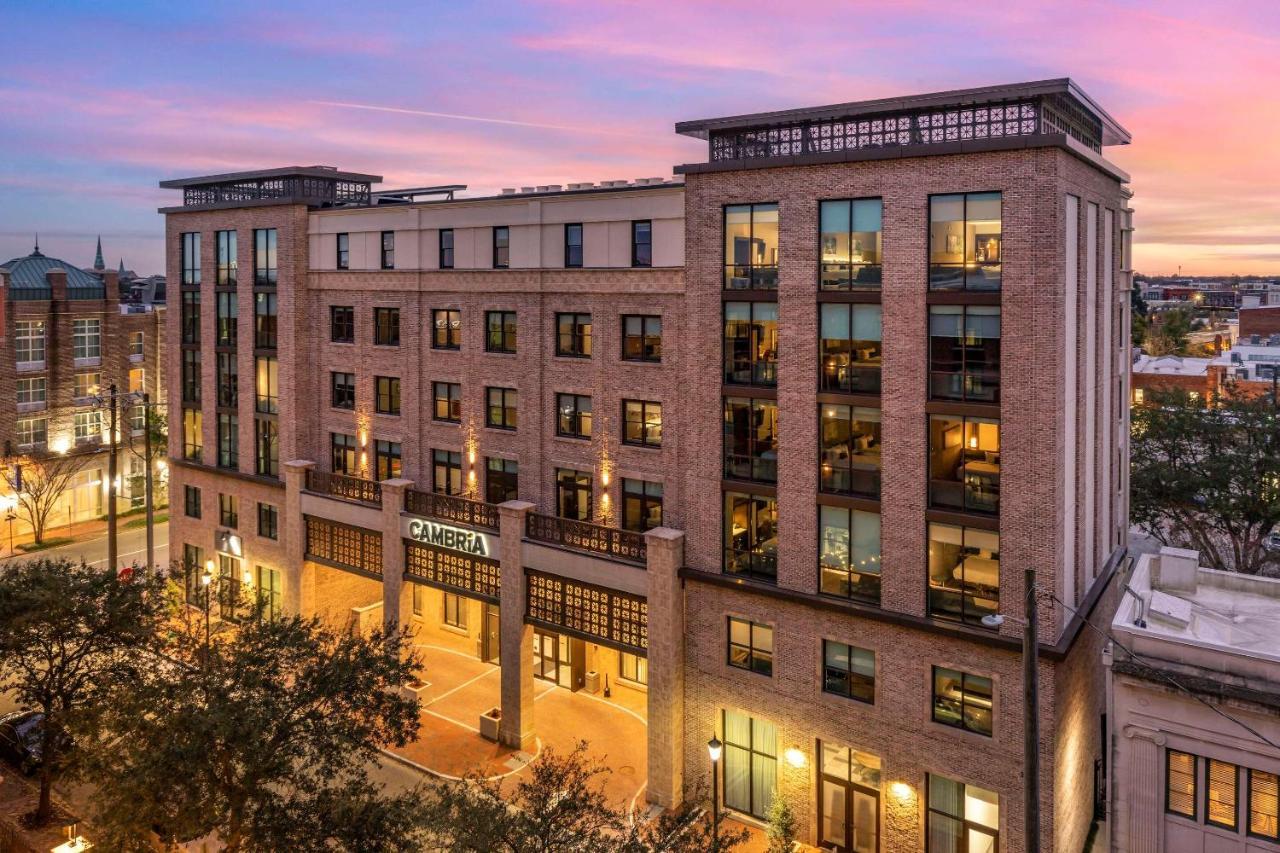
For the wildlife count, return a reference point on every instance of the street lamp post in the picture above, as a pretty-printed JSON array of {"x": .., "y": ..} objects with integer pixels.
[
  {"x": 714, "y": 747},
  {"x": 206, "y": 580},
  {"x": 112, "y": 542},
  {"x": 10, "y": 517}
]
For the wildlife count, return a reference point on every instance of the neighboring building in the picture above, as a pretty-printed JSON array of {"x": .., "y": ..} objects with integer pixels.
[
  {"x": 1193, "y": 683},
  {"x": 834, "y": 480},
  {"x": 1260, "y": 320},
  {"x": 67, "y": 338},
  {"x": 1249, "y": 367}
]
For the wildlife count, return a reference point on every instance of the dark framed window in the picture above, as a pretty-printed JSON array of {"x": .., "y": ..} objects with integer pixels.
[
  {"x": 342, "y": 453},
  {"x": 190, "y": 250},
  {"x": 642, "y": 243},
  {"x": 849, "y": 459},
  {"x": 500, "y": 407},
  {"x": 265, "y": 320},
  {"x": 1221, "y": 794},
  {"x": 455, "y": 610},
  {"x": 267, "y": 449},
  {"x": 446, "y": 472},
  {"x": 1264, "y": 805},
  {"x": 191, "y": 317},
  {"x": 191, "y": 501},
  {"x": 849, "y": 553},
  {"x": 751, "y": 247},
  {"x": 848, "y": 671},
  {"x": 962, "y": 701},
  {"x": 642, "y": 423},
  {"x": 573, "y": 335},
  {"x": 342, "y": 324},
  {"x": 227, "y": 310},
  {"x": 387, "y": 257},
  {"x": 344, "y": 252},
  {"x": 267, "y": 381},
  {"x": 500, "y": 331},
  {"x": 633, "y": 668},
  {"x": 573, "y": 494},
  {"x": 1180, "y": 783},
  {"x": 228, "y": 511},
  {"x": 446, "y": 329},
  {"x": 501, "y": 247},
  {"x": 751, "y": 439},
  {"x": 386, "y": 395},
  {"x": 267, "y": 592},
  {"x": 265, "y": 271},
  {"x": 641, "y": 505},
  {"x": 960, "y": 818},
  {"x": 192, "y": 434},
  {"x": 227, "y": 262},
  {"x": 641, "y": 337},
  {"x": 227, "y": 379},
  {"x": 191, "y": 376},
  {"x": 228, "y": 441},
  {"x": 964, "y": 463},
  {"x": 502, "y": 480},
  {"x": 965, "y": 248},
  {"x": 751, "y": 343},
  {"x": 386, "y": 327},
  {"x": 750, "y": 646},
  {"x": 751, "y": 536},
  {"x": 446, "y": 398},
  {"x": 849, "y": 243},
  {"x": 446, "y": 248},
  {"x": 573, "y": 245},
  {"x": 964, "y": 353},
  {"x": 192, "y": 566},
  {"x": 573, "y": 415},
  {"x": 268, "y": 521},
  {"x": 343, "y": 390},
  {"x": 964, "y": 572},
  {"x": 387, "y": 461},
  {"x": 749, "y": 778},
  {"x": 850, "y": 348}
]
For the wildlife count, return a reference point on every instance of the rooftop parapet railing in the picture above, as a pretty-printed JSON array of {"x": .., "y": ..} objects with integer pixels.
[
  {"x": 452, "y": 508},
  {"x": 313, "y": 189}
]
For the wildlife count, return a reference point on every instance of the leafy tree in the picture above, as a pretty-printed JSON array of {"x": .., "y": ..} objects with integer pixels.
[
  {"x": 1208, "y": 478},
  {"x": 263, "y": 737},
  {"x": 68, "y": 633},
  {"x": 1169, "y": 335},
  {"x": 38, "y": 482},
  {"x": 782, "y": 826}
]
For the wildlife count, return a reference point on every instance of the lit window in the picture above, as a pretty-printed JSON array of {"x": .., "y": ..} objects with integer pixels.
[{"x": 750, "y": 646}]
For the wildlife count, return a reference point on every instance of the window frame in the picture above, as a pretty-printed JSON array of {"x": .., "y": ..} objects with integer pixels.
[
  {"x": 388, "y": 459},
  {"x": 581, "y": 488},
  {"x": 450, "y": 401},
  {"x": 851, "y": 285},
  {"x": 342, "y": 247},
  {"x": 1195, "y": 784},
  {"x": 265, "y": 274},
  {"x": 1249, "y": 810},
  {"x": 965, "y": 375},
  {"x": 848, "y": 673},
  {"x": 567, "y": 421},
  {"x": 386, "y": 390},
  {"x": 387, "y": 250},
  {"x": 268, "y": 521},
  {"x": 643, "y": 338},
  {"x": 449, "y": 462},
  {"x": 442, "y": 248},
  {"x": 644, "y": 499},
  {"x": 490, "y": 469},
  {"x": 964, "y": 702},
  {"x": 579, "y": 342},
  {"x": 504, "y": 405},
  {"x": 266, "y": 324},
  {"x": 342, "y": 390},
  {"x": 342, "y": 324},
  {"x": 189, "y": 258},
  {"x": 506, "y": 339},
  {"x": 501, "y": 240},
  {"x": 1207, "y": 764},
  {"x": 226, "y": 270},
  {"x": 965, "y": 273},
  {"x": 192, "y": 501},
  {"x": 452, "y": 329},
  {"x": 750, "y": 266},
  {"x": 568, "y": 245},
  {"x": 966, "y": 825},
  {"x": 636, "y": 243},
  {"x": 645, "y": 427},
  {"x": 386, "y": 326},
  {"x": 754, "y": 654}
]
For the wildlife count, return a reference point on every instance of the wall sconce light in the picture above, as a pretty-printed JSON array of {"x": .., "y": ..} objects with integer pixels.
[
  {"x": 902, "y": 790},
  {"x": 796, "y": 757}
]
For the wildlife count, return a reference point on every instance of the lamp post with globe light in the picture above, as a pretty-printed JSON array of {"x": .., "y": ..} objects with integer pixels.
[
  {"x": 206, "y": 581},
  {"x": 714, "y": 748}
]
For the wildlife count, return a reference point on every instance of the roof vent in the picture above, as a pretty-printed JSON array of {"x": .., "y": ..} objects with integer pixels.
[
  {"x": 1255, "y": 340},
  {"x": 1273, "y": 341},
  {"x": 582, "y": 186},
  {"x": 508, "y": 190},
  {"x": 613, "y": 183},
  {"x": 527, "y": 189}
]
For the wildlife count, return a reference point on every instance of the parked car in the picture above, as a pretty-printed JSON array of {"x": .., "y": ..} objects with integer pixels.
[{"x": 21, "y": 739}]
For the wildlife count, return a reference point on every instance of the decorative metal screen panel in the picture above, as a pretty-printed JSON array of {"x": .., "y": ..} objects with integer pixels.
[
  {"x": 344, "y": 487},
  {"x": 343, "y": 545},
  {"x": 461, "y": 572},
  {"x": 452, "y": 508},
  {"x": 312, "y": 189},
  {"x": 584, "y": 536},
  {"x": 596, "y": 613}
]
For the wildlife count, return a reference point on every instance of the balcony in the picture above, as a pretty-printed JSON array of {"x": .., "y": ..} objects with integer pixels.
[
  {"x": 626, "y": 545},
  {"x": 345, "y": 488},
  {"x": 452, "y": 508}
]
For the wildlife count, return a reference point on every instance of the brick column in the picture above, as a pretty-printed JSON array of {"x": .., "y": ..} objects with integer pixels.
[
  {"x": 515, "y": 637},
  {"x": 394, "y": 612},
  {"x": 300, "y": 578},
  {"x": 665, "y": 549}
]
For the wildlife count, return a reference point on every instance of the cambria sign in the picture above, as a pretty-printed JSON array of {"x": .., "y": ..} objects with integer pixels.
[{"x": 447, "y": 536}]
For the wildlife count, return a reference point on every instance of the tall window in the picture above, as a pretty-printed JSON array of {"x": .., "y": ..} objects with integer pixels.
[
  {"x": 848, "y": 671},
  {"x": 446, "y": 401},
  {"x": 501, "y": 247},
  {"x": 32, "y": 393},
  {"x": 960, "y": 818},
  {"x": 502, "y": 480},
  {"x": 192, "y": 434},
  {"x": 446, "y": 248},
  {"x": 386, "y": 395},
  {"x": 751, "y": 439},
  {"x": 962, "y": 700},
  {"x": 137, "y": 344},
  {"x": 964, "y": 572},
  {"x": 268, "y": 385},
  {"x": 455, "y": 610},
  {"x": 849, "y": 553},
  {"x": 750, "y": 646},
  {"x": 573, "y": 494},
  {"x": 500, "y": 409},
  {"x": 227, "y": 263},
  {"x": 849, "y": 457},
  {"x": 751, "y": 247},
  {"x": 86, "y": 338},
  {"x": 642, "y": 243},
  {"x": 964, "y": 463},
  {"x": 751, "y": 536},
  {"x": 633, "y": 668},
  {"x": 343, "y": 261},
  {"x": 573, "y": 335},
  {"x": 1264, "y": 805},
  {"x": 342, "y": 390},
  {"x": 750, "y": 764},
  {"x": 342, "y": 453},
  {"x": 342, "y": 324},
  {"x": 387, "y": 258},
  {"x": 641, "y": 337},
  {"x": 88, "y": 427},
  {"x": 267, "y": 447},
  {"x": 264, "y": 319},
  {"x": 848, "y": 799},
  {"x": 264, "y": 257},
  {"x": 1180, "y": 783},
  {"x": 446, "y": 329},
  {"x": 641, "y": 505},
  {"x": 1221, "y": 806},
  {"x": 849, "y": 348},
  {"x": 267, "y": 585},
  {"x": 228, "y": 380},
  {"x": 228, "y": 311},
  {"x": 28, "y": 344},
  {"x": 191, "y": 376},
  {"x": 642, "y": 423},
  {"x": 965, "y": 250},
  {"x": 33, "y": 432},
  {"x": 573, "y": 415},
  {"x": 573, "y": 245},
  {"x": 190, "y": 243},
  {"x": 191, "y": 501},
  {"x": 964, "y": 353},
  {"x": 228, "y": 511},
  {"x": 386, "y": 327},
  {"x": 500, "y": 331},
  {"x": 850, "y": 244},
  {"x": 446, "y": 472},
  {"x": 88, "y": 385},
  {"x": 751, "y": 343},
  {"x": 268, "y": 521}
]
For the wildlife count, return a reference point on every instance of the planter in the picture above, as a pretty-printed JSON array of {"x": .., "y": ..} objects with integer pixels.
[
  {"x": 414, "y": 689},
  {"x": 489, "y": 724}
]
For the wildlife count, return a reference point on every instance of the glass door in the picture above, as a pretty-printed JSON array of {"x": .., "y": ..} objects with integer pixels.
[
  {"x": 545, "y": 665},
  {"x": 489, "y": 646},
  {"x": 850, "y": 817}
]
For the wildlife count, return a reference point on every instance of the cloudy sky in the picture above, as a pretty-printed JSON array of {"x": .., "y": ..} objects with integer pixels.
[{"x": 100, "y": 100}]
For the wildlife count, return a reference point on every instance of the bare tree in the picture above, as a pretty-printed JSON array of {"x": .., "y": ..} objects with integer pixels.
[{"x": 38, "y": 482}]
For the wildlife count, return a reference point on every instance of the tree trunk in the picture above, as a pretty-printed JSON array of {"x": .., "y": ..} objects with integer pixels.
[{"x": 45, "y": 809}]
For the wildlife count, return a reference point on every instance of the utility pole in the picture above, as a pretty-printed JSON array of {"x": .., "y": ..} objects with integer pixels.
[
  {"x": 112, "y": 545},
  {"x": 1031, "y": 711},
  {"x": 151, "y": 533}
]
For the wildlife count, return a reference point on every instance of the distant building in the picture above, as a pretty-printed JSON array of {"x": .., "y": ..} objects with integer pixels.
[
  {"x": 1247, "y": 367},
  {"x": 1193, "y": 683}
]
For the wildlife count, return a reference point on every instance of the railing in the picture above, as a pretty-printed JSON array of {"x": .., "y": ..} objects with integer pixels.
[
  {"x": 344, "y": 487},
  {"x": 452, "y": 508},
  {"x": 585, "y": 536},
  {"x": 294, "y": 186}
]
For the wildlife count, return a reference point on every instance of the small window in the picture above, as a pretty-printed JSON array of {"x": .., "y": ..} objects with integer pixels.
[
  {"x": 343, "y": 387},
  {"x": 388, "y": 257},
  {"x": 573, "y": 415},
  {"x": 228, "y": 441},
  {"x": 501, "y": 409},
  {"x": 633, "y": 668},
  {"x": 191, "y": 501},
  {"x": 342, "y": 324},
  {"x": 965, "y": 816},
  {"x": 267, "y": 380},
  {"x": 386, "y": 395},
  {"x": 455, "y": 611},
  {"x": 573, "y": 494},
  {"x": 500, "y": 331},
  {"x": 386, "y": 327},
  {"x": 641, "y": 337},
  {"x": 266, "y": 459},
  {"x": 268, "y": 521},
  {"x": 641, "y": 505},
  {"x": 344, "y": 251},
  {"x": 387, "y": 460},
  {"x": 1180, "y": 783},
  {"x": 446, "y": 329},
  {"x": 962, "y": 700},
  {"x": 642, "y": 243},
  {"x": 228, "y": 514},
  {"x": 137, "y": 343},
  {"x": 848, "y": 671},
  {"x": 446, "y": 472},
  {"x": 446, "y": 248},
  {"x": 1264, "y": 805},
  {"x": 642, "y": 423},
  {"x": 573, "y": 245},
  {"x": 446, "y": 402},
  {"x": 1220, "y": 782},
  {"x": 573, "y": 335},
  {"x": 502, "y": 480},
  {"x": 342, "y": 451},
  {"x": 501, "y": 247},
  {"x": 750, "y": 646}
]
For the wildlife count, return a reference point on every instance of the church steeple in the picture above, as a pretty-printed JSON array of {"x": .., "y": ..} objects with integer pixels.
[
  {"x": 121, "y": 270},
  {"x": 98, "y": 263}
]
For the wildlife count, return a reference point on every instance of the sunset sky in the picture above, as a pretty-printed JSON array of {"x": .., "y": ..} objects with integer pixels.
[{"x": 99, "y": 101}]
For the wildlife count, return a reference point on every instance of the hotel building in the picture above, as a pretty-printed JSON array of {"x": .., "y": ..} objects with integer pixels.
[{"x": 763, "y": 445}]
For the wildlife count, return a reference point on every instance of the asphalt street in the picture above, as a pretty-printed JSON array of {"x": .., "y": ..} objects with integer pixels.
[{"x": 132, "y": 547}]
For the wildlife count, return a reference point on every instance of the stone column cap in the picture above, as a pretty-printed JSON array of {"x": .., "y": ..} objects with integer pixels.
[
  {"x": 517, "y": 506},
  {"x": 397, "y": 483},
  {"x": 665, "y": 534},
  {"x": 300, "y": 464}
]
